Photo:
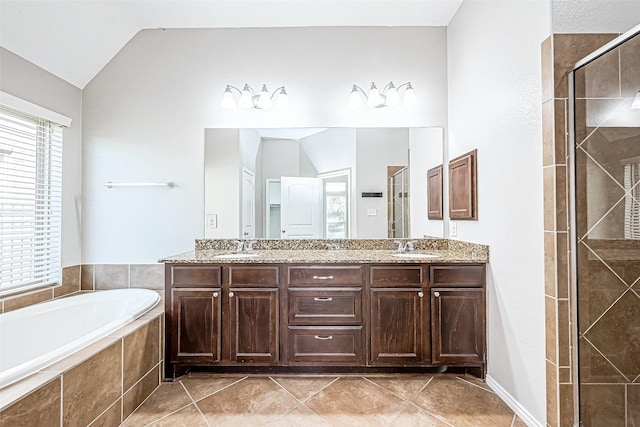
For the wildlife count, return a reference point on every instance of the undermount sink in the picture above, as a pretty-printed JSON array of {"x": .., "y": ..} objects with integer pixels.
[
  {"x": 414, "y": 256},
  {"x": 236, "y": 256}
]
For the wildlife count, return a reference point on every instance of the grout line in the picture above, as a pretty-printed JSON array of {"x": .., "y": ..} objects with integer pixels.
[
  {"x": 217, "y": 391},
  {"x": 595, "y": 322},
  {"x": 62, "y": 400},
  {"x": 513, "y": 420},
  {"x": 105, "y": 411},
  {"x": 475, "y": 385},
  {"x": 605, "y": 120},
  {"x": 302, "y": 402},
  {"x": 195, "y": 405},
  {"x": 389, "y": 391}
]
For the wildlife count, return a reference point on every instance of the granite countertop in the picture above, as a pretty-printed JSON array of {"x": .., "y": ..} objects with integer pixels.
[{"x": 310, "y": 252}]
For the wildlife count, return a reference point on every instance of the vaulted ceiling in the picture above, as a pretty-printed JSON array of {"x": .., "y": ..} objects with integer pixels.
[{"x": 74, "y": 40}]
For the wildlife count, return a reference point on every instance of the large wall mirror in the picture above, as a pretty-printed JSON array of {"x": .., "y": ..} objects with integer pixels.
[{"x": 320, "y": 182}]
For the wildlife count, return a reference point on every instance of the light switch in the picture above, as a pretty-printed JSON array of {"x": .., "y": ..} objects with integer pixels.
[
  {"x": 372, "y": 212},
  {"x": 212, "y": 221},
  {"x": 453, "y": 229}
]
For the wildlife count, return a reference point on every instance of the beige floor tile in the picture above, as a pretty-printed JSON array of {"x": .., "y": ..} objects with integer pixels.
[
  {"x": 463, "y": 404},
  {"x": 167, "y": 398},
  {"x": 356, "y": 402},
  {"x": 517, "y": 422},
  {"x": 187, "y": 417},
  {"x": 405, "y": 387},
  {"x": 414, "y": 417},
  {"x": 304, "y": 387},
  {"x": 250, "y": 402},
  {"x": 201, "y": 386},
  {"x": 301, "y": 416}
]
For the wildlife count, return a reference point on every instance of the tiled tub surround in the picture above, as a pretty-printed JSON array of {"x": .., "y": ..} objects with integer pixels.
[
  {"x": 90, "y": 277},
  {"x": 100, "y": 385}
]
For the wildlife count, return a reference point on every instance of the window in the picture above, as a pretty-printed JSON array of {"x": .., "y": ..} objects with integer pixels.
[
  {"x": 30, "y": 201},
  {"x": 336, "y": 202}
]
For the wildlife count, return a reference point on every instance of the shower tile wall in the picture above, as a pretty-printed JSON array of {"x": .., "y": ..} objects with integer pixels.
[
  {"x": 607, "y": 140},
  {"x": 559, "y": 53}
]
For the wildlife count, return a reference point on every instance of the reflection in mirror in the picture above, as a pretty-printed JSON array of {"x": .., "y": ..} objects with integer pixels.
[{"x": 320, "y": 182}]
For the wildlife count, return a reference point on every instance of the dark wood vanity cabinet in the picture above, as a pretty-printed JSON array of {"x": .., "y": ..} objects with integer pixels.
[
  {"x": 352, "y": 315},
  {"x": 457, "y": 314},
  {"x": 399, "y": 316}
]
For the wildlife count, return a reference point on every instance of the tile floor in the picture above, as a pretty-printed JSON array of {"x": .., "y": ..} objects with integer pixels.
[{"x": 428, "y": 400}]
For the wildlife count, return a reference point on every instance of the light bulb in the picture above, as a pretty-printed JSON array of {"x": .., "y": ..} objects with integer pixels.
[
  {"x": 264, "y": 100},
  {"x": 355, "y": 101},
  {"x": 374, "y": 96},
  {"x": 245, "y": 98},
  {"x": 283, "y": 100},
  {"x": 392, "y": 96},
  {"x": 409, "y": 97},
  {"x": 228, "y": 103},
  {"x": 635, "y": 105}
]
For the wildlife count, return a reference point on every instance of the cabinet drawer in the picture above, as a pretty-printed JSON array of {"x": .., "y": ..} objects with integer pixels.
[
  {"x": 383, "y": 276},
  {"x": 456, "y": 275},
  {"x": 325, "y": 275},
  {"x": 326, "y": 306},
  {"x": 188, "y": 275},
  {"x": 254, "y": 275},
  {"x": 336, "y": 345}
]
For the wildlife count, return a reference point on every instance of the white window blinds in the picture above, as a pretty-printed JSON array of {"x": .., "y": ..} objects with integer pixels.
[{"x": 30, "y": 201}]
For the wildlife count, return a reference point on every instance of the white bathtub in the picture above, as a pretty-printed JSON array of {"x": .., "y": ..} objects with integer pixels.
[{"x": 37, "y": 336}]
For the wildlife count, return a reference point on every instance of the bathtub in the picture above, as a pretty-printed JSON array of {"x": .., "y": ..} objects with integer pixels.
[{"x": 35, "y": 337}]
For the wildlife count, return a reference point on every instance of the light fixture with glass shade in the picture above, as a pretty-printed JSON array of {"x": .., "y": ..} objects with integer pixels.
[
  {"x": 388, "y": 97},
  {"x": 250, "y": 100},
  {"x": 635, "y": 105}
]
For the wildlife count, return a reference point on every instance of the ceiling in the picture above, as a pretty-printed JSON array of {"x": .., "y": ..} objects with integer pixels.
[{"x": 75, "y": 39}]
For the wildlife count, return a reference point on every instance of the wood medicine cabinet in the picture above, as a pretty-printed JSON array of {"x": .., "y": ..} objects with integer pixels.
[{"x": 463, "y": 187}]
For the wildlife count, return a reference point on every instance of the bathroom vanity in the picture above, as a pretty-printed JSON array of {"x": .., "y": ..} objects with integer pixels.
[{"x": 296, "y": 306}]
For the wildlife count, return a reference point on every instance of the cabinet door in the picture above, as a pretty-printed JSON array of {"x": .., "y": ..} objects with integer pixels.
[
  {"x": 195, "y": 326},
  {"x": 397, "y": 326},
  {"x": 254, "y": 318},
  {"x": 457, "y": 325}
]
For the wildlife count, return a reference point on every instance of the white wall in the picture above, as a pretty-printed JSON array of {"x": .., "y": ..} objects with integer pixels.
[
  {"x": 375, "y": 150},
  {"x": 595, "y": 16},
  {"x": 31, "y": 83},
  {"x": 145, "y": 112},
  {"x": 495, "y": 106},
  {"x": 425, "y": 152},
  {"x": 222, "y": 173}
]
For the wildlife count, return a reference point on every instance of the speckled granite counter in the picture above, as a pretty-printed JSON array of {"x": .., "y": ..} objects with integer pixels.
[{"x": 319, "y": 251}]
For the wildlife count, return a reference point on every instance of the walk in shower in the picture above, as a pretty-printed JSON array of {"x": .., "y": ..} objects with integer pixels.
[{"x": 605, "y": 106}]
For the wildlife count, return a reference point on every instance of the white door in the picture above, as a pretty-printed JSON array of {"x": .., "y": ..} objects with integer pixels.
[
  {"x": 301, "y": 208},
  {"x": 248, "y": 227}
]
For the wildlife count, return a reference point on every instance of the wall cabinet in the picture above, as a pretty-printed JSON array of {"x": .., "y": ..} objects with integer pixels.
[{"x": 317, "y": 316}]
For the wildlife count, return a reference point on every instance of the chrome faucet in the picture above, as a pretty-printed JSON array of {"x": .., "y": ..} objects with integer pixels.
[
  {"x": 240, "y": 247},
  {"x": 403, "y": 247},
  {"x": 248, "y": 245},
  {"x": 244, "y": 245}
]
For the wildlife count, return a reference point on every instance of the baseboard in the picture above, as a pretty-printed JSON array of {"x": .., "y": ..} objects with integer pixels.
[{"x": 513, "y": 403}]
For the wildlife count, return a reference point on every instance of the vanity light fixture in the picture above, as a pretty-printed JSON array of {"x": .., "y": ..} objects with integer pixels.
[
  {"x": 388, "y": 97},
  {"x": 635, "y": 105},
  {"x": 250, "y": 100}
]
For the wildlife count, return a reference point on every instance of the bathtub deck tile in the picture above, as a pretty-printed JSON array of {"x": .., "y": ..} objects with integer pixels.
[
  {"x": 41, "y": 408},
  {"x": 22, "y": 388},
  {"x": 80, "y": 356},
  {"x": 111, "y": 417},
  {"x": 140, "y": 352}
]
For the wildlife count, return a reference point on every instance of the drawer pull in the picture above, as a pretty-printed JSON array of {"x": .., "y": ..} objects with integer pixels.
[
  {"x": 323, "y": 277},
  {"x": 420, "y": 294},
  {"x": 215, "y": 295},
  {"x": 436, "y": 294},
  {"x": 323, "y": 337},
  {"x": 323, "y": 299}
]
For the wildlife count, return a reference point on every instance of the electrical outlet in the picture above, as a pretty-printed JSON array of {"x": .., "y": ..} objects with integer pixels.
[
  {"x": 212, "y": 221},
  {"x": 453, "y": 229},
  {"x": 372, "y": 212}
]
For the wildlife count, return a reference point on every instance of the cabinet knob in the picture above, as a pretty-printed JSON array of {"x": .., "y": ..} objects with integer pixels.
[
  {"x": 420, "y": 294},
  {"x": 231, "y": 294},
  {"x": 436, "y": 294},
  {"x": 215, "y": 295}
]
